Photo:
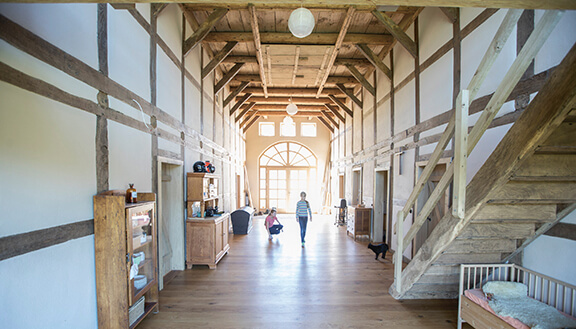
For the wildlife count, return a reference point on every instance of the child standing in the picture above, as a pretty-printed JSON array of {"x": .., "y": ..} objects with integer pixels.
[
  {"x": 302, "y": 212},
  {"x": 269, "y": 222}
]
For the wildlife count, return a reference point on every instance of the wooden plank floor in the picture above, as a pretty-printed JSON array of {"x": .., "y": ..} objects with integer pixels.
[{"x": 333, "y": 282}]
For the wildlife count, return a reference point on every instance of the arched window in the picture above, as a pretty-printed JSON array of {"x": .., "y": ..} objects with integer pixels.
[{"x": 286, "y": 169}]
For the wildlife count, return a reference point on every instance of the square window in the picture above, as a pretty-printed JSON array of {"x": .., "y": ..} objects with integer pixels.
[
  {"x": 267, "y": 129},
  {"x": 288, "y": 129},
  {"x": 308, "y": 129}
]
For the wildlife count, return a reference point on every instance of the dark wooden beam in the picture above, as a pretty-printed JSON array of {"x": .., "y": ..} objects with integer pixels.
[
  {"x": 158, "y": 8},
  {"x": 303, "y": 60},
  {"x": 397, "y": 32},
  {"x": 240, "y": 103},
  {"x": 296, "y": 100},
  {"x": 235, "y": 93},
  {"x": 374, "y": 59},
  {"x": 563, "y": 231},
  {"x": 304, "y": 113},
  {"x": 286, "y": 38},
  {"x": 327, "y": 115},
  {"x": 335, "y": 111},
  {"x": 294, "y": 92},
  {"x": 248, "y": 117},
  {"x": 251, "y": 123},
  {"x": 203, "y": 30},
  {"x": 451, "y": 12},
  {"x": 321, "y": 119},
  {"x": 244, "y": 111},
  {"x": 349, "y": 93},
  {"x": 229, "y": 76},
  {"x": 123, "y": 6},
  {"x": 218, "y": 58},
  {"x": 365, "y": 83},
  {"x": 334, "y": 79}
]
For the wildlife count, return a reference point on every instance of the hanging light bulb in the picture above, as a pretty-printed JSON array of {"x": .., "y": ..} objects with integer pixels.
[{"x": 301, "y": 22}]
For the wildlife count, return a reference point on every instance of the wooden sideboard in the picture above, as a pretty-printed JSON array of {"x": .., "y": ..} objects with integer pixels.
[
  {"x": 359, "y": 219},
  {"x": 207, "y": 240}
]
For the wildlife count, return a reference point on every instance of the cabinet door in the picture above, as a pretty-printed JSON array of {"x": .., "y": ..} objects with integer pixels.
[
  {"x": 201, "y": 243},
  {"x": 141, "y": 257},
  {"x": 219, "y": 238}
]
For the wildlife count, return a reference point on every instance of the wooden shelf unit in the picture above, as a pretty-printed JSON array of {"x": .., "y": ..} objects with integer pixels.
[
  {"x": 202, "y": 188},
  {"x": 359, "y": 219},
  {"x": 119, "y": 228}
]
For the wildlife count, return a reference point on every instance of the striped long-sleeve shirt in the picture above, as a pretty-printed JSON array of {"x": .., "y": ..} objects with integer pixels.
[{"x": 303, "y": 209}]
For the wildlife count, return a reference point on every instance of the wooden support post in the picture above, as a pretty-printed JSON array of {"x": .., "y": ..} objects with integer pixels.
[
  {"x": 240, "y": 103},
  {"x": 329, "y": 117},
  {"x": 336, "y": 112},
  {"x": 251, "y": 123},
  {"x": 235, "y": 93},
  {"x": 365, "y": 83},
  {"x": 460, "y": 155},
  {"x": 218, "y": 58},
  {"x": 349, "y": 93},
  {"x": 203, "y": 30},
  {"x": 248, "y": 117},
  {"x": 341, "y": 105},
  {"x": 399, "y": 251},
  {"x": 397, "y": 32},
  {"x": 321, "y": 119},
  {"x": 374, "y": 59},
  {"x": 451, "y": 12},
  {"x": 258, "y": 45},
  {"x": 229, "y": 76},
  {"x": 123, "y": 6},
  {"x": 244, "y": 111},
  {"x": 339, "y": 41}
]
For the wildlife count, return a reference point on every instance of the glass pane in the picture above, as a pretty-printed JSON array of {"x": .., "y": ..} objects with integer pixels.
[
  {"x": 270, "y": 152},
  {"x": 302, "y": 174},
  {"x": 298, "y": 160},
  {"x": 262, "y": 183},
  {"x": 273, "y": 194},
  {"x": 281, "y": 204},
  {"x": 263, "y": 203},
  {"x": 273, "y": 174},
  {"x": 282, "y": 147},
  {"x": 308, "y": 129},
  {"x": 312, "y": 161},
  {"x": 282, "y": 184},
  {"x": 282, "y": 174},
  {"x": 273, "y": 184},
  {"x": 262, "y": 173},
  {"x": 267, "y": 129},
  {"x": 275, "y": 163},
  {"x": 264, "y": 160},
  {"x": 287, "y": 129},
  {"x": 273, "y": 203},
  {"x": 282, "y": 194},
  {"x": 262, "y": 194},
  {"x": 295, "y": 147},
  {"x": 305, "y": 153},
  {"x": 284, "y": 156}
]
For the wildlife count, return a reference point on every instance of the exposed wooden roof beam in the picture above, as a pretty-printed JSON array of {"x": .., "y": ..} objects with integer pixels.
[
  {"x": 158, "y": 8},
  {"x": 374, "y": 59},
  {"x": 240, "y": 102},
  {"x": 123, "y": 6},
  {"x": 338, "y": 44},
  {"x": 258, "y": 45},
  {"x": 236, "y": 91},
  {"x": 251, "y": 123},
  {"x": 335, "y": 111},
  {"x": 365, "y": 83},
  {"x": 248, "y": 117},
  {"x": 218, "y": 58},
  {"x": 363, "y": 5},
  {"x": 397, "y": 32},
  {"x": 342, "y": 105},
  {"x": 203, "y": 30},
  {"x": 303, "y": 60},
  {"x": 350, "y": 94},
  {"x": 244, "y": 111},
  {"x": 321, "y": 119},
  {"x": 191, "y": 19},
  {"x": 451, "y": 13},
  {"x": 296, "y": 59},
  {"x": 304, "y": 92},
  {"x": 328, "y": 116},
  {"x": 283, "y": 38},
  {"x": 227, "y": 77},
  {"x": 283, "y": 113},
  {"x": 295, "y": 100},
  {"x": 282, "y": 107},
  {"x": 331, "y": 80}
]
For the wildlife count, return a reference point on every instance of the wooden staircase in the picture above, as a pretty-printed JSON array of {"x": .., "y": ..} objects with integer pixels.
[{"x": 526, "y": 186}]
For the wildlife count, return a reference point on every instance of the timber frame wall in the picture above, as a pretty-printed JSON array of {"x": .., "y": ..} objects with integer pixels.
[
  {"x": 222, "y": 145},
  {"x": 356, "y": 144}
]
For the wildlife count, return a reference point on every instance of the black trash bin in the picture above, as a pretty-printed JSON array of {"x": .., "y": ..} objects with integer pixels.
[{"x": 242, "y": 220}]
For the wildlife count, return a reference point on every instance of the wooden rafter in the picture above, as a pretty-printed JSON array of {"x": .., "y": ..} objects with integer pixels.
[
  {"x": 350, "y": 94},
  {"x": 321, "y": 119},
  {"x": 235, "y": 93},
  {"x": 251, "y": 123},
  {"x": 123, "y": 6},
  {"x": 283, "y": 38},
  {"x": 397, "y": 32},
  {"x": 363, "y": 81},
  {"x": 327, "y": 115},
  {"x": 240, "y": 103},
  {"x": 296, "y": 100},
  {"x": 340, "y": 61},
  {"x": 374, "y": 59},
  {"x": 269, "y": 60},
  {"x": 218, "y": 58},
  {"x": 296, "y": 59},
  {"x": 339, "y": 40},
  {"x": 335, "y": 111},
  {"x": 244, "y": 111},
  {"x": 247, "y": 118},
  {"x": 342, "y": 105},
  {"x": 191, "y": 19},
  {"x": 347, "y": 79},
  {"x": 158, "y": 8},
  {"x": 283, "y": 113},
  {"x": 322, "y": 66},
  {"x": 258, "y": 45},
  {"x": 227, "y": 77},
  {"x": 304, "y": 92},
  {"x": 282, "y": 107},
  {"x": 203, "y": 30},
  {"x": 451, "y": 12}
]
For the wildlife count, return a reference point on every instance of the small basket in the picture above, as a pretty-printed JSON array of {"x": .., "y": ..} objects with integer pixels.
[
  {"x": 140, "y": 281},
  {"x": 136, "y": 310}
]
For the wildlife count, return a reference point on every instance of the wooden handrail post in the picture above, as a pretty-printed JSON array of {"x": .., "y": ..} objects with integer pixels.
[
  {"x": 399, "y": 252},
  {"x": 460, "y": 154}
]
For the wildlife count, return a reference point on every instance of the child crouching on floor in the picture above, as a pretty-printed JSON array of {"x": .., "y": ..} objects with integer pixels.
[{"x": 269, "y": 223}]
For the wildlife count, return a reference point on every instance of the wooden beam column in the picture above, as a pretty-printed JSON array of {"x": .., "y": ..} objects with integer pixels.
[
  {"x": 235, "y": 93},
  {"x": 218, "y": 58},
  {"x": 397, "y": 32},
  {"x": 336, "y": 113},
  {"x": 258, "y": 45},
  {"x": 240, "y": 103},
  {"x": 341, "y": 105},
  {"x": 349, "y": 93},
  {"x": 102, "y": 153},
  {"x": 321, "y": 119},
  {"x": 365, "y": 83},
  {"x": 227, "y": 77},
  {"x": 244, "y": 111},
  {"x": 374, "y": 59},
  {"x": 203, "y": 29}
]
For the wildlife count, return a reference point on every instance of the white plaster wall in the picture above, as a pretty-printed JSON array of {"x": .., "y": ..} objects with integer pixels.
[
  {"x": 553, "y": 256},
  {"x": 404, "y": 108},
  {"x": 169, "y": 28},
  {"x": 558, "y": 44},
  {"x": 168, "y": 86},
  {"x": 435, "y": 30},
  {"x": 436, "y": 87}
]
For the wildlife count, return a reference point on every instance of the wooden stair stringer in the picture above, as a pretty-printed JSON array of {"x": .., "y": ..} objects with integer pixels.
[{"x": 545, "y": 113}]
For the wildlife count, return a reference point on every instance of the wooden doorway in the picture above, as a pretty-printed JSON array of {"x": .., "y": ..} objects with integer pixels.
[
  {"x": 380, "y": 219},
  {"x": 171, "y": 236},
  {"x": 441, "y": 208}
]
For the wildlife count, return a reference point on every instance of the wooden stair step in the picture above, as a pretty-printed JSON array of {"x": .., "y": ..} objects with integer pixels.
[
  {"x": 564, "y": 135},
  {"x": 535, "y": 192},
  {"x": 538, "y": 212},
  {"x": 558, "y": 167},
  {"x": 428, "y": 278},
  {"x": 463, "y": 246},
  {"x": 469, "y": 258},
  {"x": 498, "y": 230}
]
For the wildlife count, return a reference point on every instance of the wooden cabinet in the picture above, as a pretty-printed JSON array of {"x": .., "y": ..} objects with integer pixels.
[
  {"x": 125, "y": 239},
  {"x": 207, "y": 240},
  {"x": 202, "y": 193},
  {"x": 359, "y": 220}
]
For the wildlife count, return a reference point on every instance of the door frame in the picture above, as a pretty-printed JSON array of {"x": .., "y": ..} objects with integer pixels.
[{"x": 381, "y": 202}]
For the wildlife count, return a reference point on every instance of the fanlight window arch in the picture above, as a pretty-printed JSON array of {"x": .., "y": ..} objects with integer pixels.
[{"x": 288, "y": 154}]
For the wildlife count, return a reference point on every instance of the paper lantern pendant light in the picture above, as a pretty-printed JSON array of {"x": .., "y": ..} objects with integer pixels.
[
  {"x": 301, "y": 22},
  {"x": 291, "y": 109}
]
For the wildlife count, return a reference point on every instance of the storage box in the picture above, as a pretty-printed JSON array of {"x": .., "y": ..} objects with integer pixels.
[{"x": 136, "y": 310}]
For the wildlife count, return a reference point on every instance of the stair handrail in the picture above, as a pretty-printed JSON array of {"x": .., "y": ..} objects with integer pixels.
[{"x": 466, "y": 142}]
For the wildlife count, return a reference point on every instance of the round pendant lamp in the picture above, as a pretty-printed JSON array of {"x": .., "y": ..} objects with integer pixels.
[
  {"x": 291, "y": 109},
  {"x": 301, "y": 22}
]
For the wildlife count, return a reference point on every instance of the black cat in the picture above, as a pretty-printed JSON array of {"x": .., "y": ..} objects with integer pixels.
[{"x": 378, "y": 249}]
